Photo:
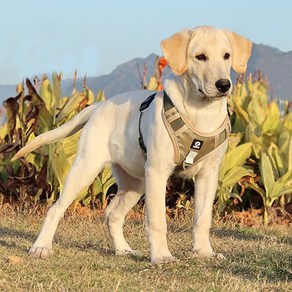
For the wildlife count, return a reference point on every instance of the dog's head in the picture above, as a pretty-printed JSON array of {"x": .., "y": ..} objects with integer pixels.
[{"x": 204, "y": 56}]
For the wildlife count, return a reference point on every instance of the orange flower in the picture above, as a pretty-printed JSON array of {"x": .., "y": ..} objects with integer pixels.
[
  {"x": 162, "y": 64},
  {"x": 159, "y": 87}
]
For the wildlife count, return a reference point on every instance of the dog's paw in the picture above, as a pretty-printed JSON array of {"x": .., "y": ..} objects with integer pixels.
[
  {"x": 163, "y": 260},
  {"x": 203, "y": 253},
  {"x": 207, "y": 254},
  {"x": 124, "y": 252},
  {"x": 40, "y": 252}
]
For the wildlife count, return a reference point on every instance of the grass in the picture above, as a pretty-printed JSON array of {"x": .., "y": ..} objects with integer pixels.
[{"x": 257, "y": 259}]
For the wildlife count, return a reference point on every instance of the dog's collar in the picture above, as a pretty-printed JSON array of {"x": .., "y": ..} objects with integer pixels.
[{"x": 190, "y": 145}]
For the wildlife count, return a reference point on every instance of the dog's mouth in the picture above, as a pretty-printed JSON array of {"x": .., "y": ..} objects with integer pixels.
[{"x": 212, "y": 97}]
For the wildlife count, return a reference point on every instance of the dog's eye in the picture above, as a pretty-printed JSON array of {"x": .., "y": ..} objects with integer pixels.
[
  {"x": 226, "y": 56},
  {"x": 201, "y": 57}
]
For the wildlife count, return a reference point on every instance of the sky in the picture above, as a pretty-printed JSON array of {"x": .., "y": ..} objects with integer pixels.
[{"x": 95, "y": 36}]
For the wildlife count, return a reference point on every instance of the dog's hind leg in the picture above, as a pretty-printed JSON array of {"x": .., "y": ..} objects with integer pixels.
[
  {"x": 130, "y": 191},
  {"x": 89, "y": 162}
]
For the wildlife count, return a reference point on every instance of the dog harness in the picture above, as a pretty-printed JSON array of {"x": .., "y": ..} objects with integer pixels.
[{"x": 190, "y": 145}]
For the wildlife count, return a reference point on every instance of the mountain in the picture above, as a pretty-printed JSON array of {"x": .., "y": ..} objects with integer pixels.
[
  {"x": 272, "y": 63},
  {"x": 277, "y": 66},
  {"x": 124, "y": 78}
]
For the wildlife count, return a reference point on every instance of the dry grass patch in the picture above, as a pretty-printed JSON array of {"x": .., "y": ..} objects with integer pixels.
[{"x": 256, "y": 259}]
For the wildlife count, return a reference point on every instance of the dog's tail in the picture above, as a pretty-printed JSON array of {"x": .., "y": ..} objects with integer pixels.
[{"x": 66, "y": 130}]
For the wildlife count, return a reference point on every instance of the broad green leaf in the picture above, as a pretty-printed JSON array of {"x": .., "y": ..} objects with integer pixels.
[
  {"x": 233, "y": 176},
  {"x": 259, "y": 190},
  {"x": 57, "y": 88},
  {"x": 284, "y": 141},
  {"x": 97, "y": 186},
  {"x": 267, "y": 174},
  {"x": 89, "y": 95},
  {"x": 289, "y": 160},
  {"x": 286, "y": 177},
  {"x": 70, "y": 144},
  {"x": 240, "y": 91},
  {"x": 271, "y": 122},
  {"x": 106, "y": 174},
  {"x": 257, "y": 144},
  {"x": 3, "y": 132},
  {"x": 285, "y": 191},
  {"x": 46, "y": 92},
  {"x": 234, "y": 140},
  {"x": 276, "y": 160},
  {"x": 107, "y": 185},
  {"x": 257, "y": 116},
  {"x": 59, "y": 162},
  {"x": 280, "y": 189},
  {"x": 235, "y": 157},
  {"x": 242, "y": 118},
  {"x": 71, "y": 106},
  {"x": 100, "y": 96},
  {"x": 287, "y": 122}
]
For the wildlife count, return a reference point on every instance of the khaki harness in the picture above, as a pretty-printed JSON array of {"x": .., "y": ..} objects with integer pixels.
[{"x": 190, "y": 146}]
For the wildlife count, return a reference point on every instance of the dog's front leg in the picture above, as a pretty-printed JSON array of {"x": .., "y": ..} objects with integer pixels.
[
  {"x": 205, "y": 189},
  {"x": 155, "y": 215}
]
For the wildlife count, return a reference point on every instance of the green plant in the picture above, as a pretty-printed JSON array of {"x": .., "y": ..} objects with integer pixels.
[
  {"x": 99, "y": 187},
  {"x": 273, "y": 185},
  {"x": 40, "y": 175},
  {"x": 231, "y": 172},
  {"x": 270, "y": 135}
]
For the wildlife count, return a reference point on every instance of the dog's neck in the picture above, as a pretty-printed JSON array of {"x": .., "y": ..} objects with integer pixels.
[{"x": 205, "y": 115}]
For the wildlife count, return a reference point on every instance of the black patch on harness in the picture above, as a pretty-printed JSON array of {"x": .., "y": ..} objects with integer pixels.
[
  {"x": 145, "y": 104},
  {"x": 197, "y": 144}
]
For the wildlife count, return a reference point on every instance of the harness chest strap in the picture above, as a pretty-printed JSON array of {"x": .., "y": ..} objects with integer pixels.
[{"x": 190, "y": 146}]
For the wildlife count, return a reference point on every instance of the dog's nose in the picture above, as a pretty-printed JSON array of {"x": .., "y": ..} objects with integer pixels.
[{"x": 223, "y": 85}]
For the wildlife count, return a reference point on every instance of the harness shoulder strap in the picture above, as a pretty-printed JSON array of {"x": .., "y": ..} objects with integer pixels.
[{"x": 178, "y": 132}]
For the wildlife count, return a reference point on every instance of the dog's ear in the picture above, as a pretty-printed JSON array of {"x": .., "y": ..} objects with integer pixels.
[
  {"x": 175, "y": 50},
  {"x": 241, "y": 50}
]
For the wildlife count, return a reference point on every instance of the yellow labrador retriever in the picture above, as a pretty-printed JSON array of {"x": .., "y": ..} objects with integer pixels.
[{"x": 200, "y": 60}]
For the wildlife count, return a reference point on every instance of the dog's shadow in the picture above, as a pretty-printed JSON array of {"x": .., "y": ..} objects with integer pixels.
[
  {"x": 12, "y": 239},
  {"x": 256, "y": 260},
  {"x": 248, "y": 235}
]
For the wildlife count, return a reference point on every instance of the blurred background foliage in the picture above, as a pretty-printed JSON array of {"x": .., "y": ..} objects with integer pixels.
[{"x": 256, "y": 171}]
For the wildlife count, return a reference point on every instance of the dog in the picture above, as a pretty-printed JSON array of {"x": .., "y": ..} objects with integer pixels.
[{"x": 200, "y": 61}]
